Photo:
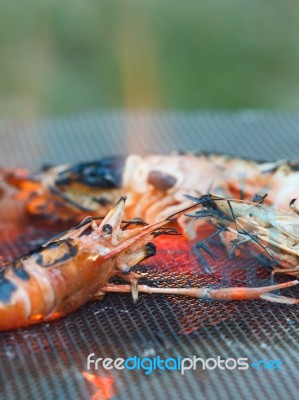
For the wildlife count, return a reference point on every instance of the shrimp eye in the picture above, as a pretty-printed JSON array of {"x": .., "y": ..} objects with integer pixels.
[
  {"x": 107, "y": 229},
  {"x": 126, "y": 270},
  {"x": 161, "y": 180}
]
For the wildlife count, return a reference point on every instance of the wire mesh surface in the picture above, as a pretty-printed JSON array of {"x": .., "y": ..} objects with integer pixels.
[{"x": 47, "y": 361}]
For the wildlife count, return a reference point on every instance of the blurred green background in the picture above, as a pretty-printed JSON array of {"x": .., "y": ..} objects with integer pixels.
[{"x": 59, "y": 57}]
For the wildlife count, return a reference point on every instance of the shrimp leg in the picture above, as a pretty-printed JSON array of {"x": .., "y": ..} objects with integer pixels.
[
  {"x": 283, "y": 271},
  {"x": 232, "y": 293},
  {"x": 132, "y": 278}
]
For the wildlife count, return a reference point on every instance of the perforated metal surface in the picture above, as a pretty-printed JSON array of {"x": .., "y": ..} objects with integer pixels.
[{"x": 47, "y": 361}]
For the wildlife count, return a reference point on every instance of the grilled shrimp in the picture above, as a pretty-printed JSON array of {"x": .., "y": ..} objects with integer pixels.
[
  {"x": 66, "y": 272},
  {"x": 155, "y": 185},
  {"x": 254, "y": 229},
  {"x": 76, "y": 266}
]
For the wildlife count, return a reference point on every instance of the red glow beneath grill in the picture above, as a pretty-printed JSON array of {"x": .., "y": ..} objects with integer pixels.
[{"x": 104, "y": 386}]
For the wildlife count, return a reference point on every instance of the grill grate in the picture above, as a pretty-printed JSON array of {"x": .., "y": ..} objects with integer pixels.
[{"x": 47, "y": 361}]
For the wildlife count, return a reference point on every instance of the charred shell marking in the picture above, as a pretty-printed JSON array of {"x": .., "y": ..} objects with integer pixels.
[
  {"x": 19, "y": 270},
  {"x": 105, "y": 173},
  {"x": 6, "y": 288},
  {"x": 161, "y": 181},
  {"x": 63, "y": 251}
]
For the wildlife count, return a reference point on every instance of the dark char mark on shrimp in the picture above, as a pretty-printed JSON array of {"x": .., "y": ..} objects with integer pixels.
[
  {"x": 6, "y": 288},
  {"x": 161, "y": 181},
  {"x": 18, "y": 269},
  {"x": 104, "y": 173},
  {"x": 45, "y": 255}
]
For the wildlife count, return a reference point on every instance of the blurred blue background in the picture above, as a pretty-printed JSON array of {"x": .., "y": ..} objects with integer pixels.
[{"x": 63, "y": 57}]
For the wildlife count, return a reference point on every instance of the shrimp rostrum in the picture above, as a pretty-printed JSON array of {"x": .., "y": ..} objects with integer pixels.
[{"x": 75, "y": 267}]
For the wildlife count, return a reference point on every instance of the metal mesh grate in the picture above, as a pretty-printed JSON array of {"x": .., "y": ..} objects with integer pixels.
[{"x": 47, "y": 361}]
